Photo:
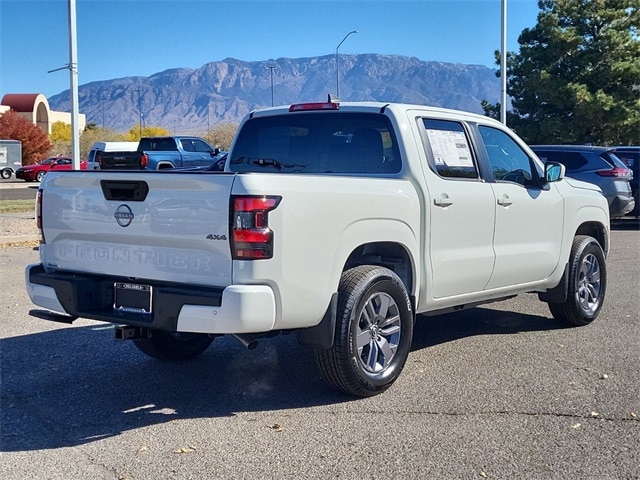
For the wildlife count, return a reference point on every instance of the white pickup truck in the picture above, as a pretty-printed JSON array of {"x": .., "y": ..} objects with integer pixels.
[{"x": 340, "y": 221}]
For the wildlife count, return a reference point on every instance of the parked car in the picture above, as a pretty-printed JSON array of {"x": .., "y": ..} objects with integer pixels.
[
  {"x": 630, "y": 156},
  {"x": 597, "y": 165},
  {"x": 37, "y": 171}
]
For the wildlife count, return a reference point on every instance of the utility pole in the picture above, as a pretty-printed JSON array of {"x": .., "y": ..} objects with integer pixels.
[
  {"x": 271, "y": 67},
  {"x": 140, "y": 109}
]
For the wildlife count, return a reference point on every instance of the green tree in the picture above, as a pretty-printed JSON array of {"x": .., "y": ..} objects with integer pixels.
[
  {"x": 576, "y": 78},
  {"x": 35, "y": 143}
]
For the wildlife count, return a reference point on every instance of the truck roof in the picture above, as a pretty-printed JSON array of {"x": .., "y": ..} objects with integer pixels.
[{"x": 370, "y": 107}]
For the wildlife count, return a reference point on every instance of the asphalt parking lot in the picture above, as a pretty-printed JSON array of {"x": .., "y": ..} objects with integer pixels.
[{"x": 502, "y": 391}]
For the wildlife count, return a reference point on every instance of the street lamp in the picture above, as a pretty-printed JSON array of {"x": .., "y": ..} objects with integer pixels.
[
  {"x": 271, "y": 67},
  {"x": 338, "y": 63},
  {"x": 140, "y": 109}
]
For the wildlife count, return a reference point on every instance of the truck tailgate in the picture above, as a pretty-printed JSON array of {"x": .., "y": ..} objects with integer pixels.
[{"x": 154, "y": 225}]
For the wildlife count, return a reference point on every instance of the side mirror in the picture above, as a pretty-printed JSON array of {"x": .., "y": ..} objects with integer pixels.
[
  {"x": 216, "y": 152},
  {"x": 554, "y": 172}
]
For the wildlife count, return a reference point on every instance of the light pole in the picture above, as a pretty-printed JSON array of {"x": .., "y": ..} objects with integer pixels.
[
  {"x": 503, "y": 65},
  {"x": 338, "y": 63},
  {"x": 271, "y": 67},
  {"x": 140, "y": 109},
  {"x": 102, "y": 99}
]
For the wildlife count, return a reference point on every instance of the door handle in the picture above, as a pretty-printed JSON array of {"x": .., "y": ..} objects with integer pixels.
[
  {"x": 505, "y": 201},
  {"x": 443, "y": 200}
]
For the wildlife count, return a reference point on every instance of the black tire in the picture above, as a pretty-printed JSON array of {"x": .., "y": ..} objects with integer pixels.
[
  {"x": 374, "y": 329},
  {"x": 40, "y": 175},
  {"x": 173, "y": 346},
  {"x": 587, "y": 283},
  {"x": 6, "y": 173}
]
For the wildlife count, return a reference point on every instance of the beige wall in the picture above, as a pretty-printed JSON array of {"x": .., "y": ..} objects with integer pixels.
[{"x": 44, "y": 117}]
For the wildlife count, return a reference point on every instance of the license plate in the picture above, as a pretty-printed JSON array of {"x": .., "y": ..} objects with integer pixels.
[{"x": 132, "y": 297}]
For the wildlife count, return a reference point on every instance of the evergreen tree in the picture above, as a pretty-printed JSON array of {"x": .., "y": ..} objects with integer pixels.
[{"x": 576, "y": 78}]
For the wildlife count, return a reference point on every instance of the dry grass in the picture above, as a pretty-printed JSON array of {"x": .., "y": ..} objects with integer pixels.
[{"x": 16, "y": 206}]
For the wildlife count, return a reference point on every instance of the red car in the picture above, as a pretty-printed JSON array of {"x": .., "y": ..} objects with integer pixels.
[{"x": 37, "y": 172}]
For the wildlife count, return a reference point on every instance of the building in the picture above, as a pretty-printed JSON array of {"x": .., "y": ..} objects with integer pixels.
[{"x": 35, "y": 108}]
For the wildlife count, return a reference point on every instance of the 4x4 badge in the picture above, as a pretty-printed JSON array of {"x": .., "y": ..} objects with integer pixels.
[{"x": 124, "y": 215}]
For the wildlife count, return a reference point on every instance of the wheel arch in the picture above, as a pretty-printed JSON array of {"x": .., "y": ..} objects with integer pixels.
[
  {"x": 596, "y": 230},
  {"x": 388, "y": 254},
  {"x": 396, "y": 251},
  {"x": 386, "y": 242},
  {"x": 163, "y": 164}
]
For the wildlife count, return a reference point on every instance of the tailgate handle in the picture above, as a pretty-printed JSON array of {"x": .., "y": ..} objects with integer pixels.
[{"x": 124, "y": 190}]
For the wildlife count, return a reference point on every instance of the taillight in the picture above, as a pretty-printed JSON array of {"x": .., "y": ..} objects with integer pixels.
[
  {"x": 251, "y": 237},
  {"x": 39, "y": 215},
  {"x": 144, "y": 160},
  {"x": 614, "y": 172}
]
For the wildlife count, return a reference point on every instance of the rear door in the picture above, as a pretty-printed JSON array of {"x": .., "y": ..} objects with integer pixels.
[{"x": 460, "y": 216}]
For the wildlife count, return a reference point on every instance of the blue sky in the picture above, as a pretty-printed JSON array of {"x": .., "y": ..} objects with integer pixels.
[{"x": 119, "y": 38}]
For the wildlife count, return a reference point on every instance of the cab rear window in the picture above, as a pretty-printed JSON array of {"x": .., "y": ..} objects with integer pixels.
[{"x": 319, "y": 142}]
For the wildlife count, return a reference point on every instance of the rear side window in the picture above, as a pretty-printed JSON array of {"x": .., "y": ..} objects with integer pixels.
[
  {"x": 574, "y": 161},
  {"x": 452, "y": 153},
  {"x": 319, "y": 142},
  {"x": 158, "y": 145}
]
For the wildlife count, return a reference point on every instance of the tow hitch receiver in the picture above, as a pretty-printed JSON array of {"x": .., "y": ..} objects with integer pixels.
[{"x": 125, "y": 332}]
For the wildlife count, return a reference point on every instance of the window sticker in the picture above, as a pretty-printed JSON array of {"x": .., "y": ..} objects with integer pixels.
[{"x": 450, "y": 148}]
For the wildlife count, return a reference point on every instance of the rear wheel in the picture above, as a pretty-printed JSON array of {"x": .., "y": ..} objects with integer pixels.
[
  {"x": 374, "y": 329},
  {"x": 6, "y": 173},
  {"x": 173, "y": 346},
  {"x": 587, "y": 283}
]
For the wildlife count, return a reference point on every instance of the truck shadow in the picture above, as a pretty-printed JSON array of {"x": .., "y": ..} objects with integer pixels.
[
  {"x": 431, "y": 331},
  {"x": 73, "y": 386}
]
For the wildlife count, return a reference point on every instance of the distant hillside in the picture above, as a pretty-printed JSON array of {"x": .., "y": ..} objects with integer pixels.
[{"x": 186, "y": 100}]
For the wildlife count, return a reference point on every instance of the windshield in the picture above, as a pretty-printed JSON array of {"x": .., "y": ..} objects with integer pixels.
[{"x": 318, "y": 142}]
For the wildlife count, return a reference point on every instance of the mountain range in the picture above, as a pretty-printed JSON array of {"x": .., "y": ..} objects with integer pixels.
[{"x": 185, "y": 100}]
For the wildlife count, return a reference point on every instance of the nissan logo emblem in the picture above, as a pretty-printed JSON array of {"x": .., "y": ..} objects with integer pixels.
[{"x": 124, "y": 215}]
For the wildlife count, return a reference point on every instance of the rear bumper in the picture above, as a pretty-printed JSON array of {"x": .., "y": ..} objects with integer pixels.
[
  {"x": 175, "y": 307},
  {"x": 621, "y": 205}
]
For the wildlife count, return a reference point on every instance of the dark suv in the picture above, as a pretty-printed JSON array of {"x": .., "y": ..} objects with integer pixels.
[
  {"x": 597, "y": 165},
  {"x": 631, "y": 157}
]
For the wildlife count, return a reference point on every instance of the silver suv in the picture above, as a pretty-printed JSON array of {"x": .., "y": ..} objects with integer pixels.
[{"x": 597, "y": 165}]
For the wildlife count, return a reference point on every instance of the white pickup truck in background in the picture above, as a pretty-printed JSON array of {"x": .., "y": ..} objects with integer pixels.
[{"x": 340, "y": 221}]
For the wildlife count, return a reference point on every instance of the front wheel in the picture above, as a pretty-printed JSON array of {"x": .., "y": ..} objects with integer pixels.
[
  {"x": 6, "y": 174},
  {"x": 40, "y": 175},
  {"x": 374, "y": 329},
  {"x": 173, "y": 346},
  {"x": 587, "y": 283}
]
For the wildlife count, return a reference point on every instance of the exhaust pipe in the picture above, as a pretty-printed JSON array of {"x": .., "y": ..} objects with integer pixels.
[{"x": 249, "y": 341}]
